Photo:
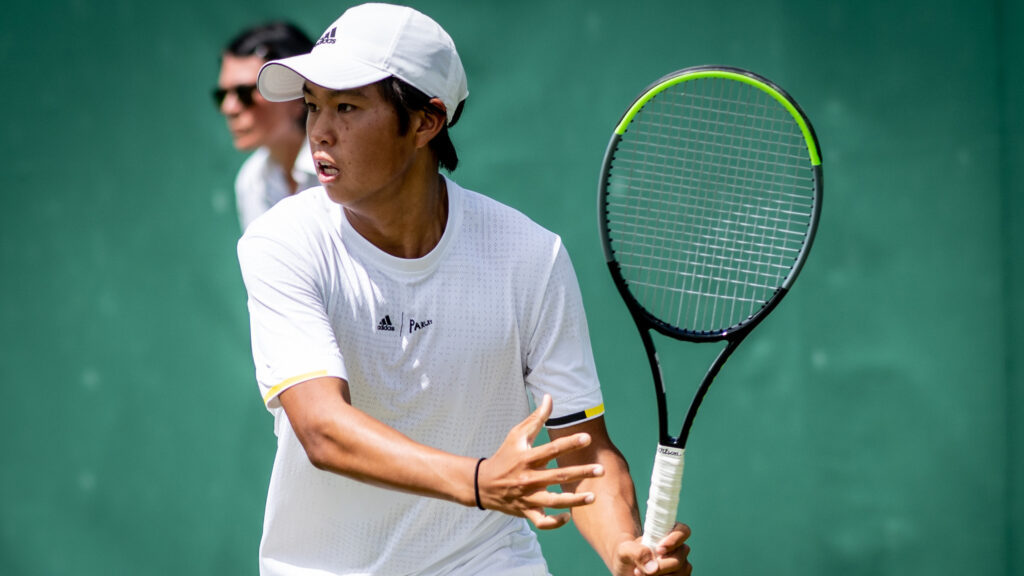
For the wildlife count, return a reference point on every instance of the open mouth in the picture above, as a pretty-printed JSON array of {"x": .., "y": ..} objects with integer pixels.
[{"x": 326, "y": 171}]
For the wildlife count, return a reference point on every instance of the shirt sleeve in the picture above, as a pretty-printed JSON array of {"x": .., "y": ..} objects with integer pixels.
[
  {"x": 560, "y": 360},
  {"x": 292, "y": 339}
]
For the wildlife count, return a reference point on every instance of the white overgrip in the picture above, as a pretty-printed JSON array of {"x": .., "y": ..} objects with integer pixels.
[{"x": 663, "y": 501}]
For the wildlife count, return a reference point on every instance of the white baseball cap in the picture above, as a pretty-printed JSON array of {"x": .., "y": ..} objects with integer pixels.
[{"x": 369, "y": 43}]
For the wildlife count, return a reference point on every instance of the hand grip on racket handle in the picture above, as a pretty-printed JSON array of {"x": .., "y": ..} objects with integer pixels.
[{"x": 663, "y": 501}]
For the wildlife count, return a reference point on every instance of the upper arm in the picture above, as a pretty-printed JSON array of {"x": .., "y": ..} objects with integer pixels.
[
  {"x": 314, "y": 398},
  {"x": 559, "y": 359},
  {"x": 600, "y": 450},
  {"x": 292, "y": 338}
]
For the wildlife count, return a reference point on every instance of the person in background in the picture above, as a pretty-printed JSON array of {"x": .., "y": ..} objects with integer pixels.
[{"x": 275, "y": 132}]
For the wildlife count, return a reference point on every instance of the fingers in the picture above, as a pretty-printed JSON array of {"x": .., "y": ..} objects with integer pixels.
[
  {"x": 529, "y": 488},
  {"x": 565, "y": 475},
  {"x": 671, "y": 556},
  {"x": 633, "y": 554},
  {"x": 535, "y": 421},
  {"x": 676, "y": 563},
  {"x": 542, "y": 498},
  {"x": 547, "y": 452},
  {"x": 545, "y": 522},
  {"x": 679, "y": 534}
]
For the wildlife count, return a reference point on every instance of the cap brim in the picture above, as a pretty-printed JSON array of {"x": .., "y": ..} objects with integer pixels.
[{"x": 282, "y": 80}]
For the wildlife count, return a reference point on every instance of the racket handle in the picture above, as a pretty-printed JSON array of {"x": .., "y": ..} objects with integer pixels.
[{"x": 663, "y": 501}]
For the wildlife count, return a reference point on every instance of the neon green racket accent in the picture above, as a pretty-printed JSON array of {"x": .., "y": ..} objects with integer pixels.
[{"x": 727, "y": 75}]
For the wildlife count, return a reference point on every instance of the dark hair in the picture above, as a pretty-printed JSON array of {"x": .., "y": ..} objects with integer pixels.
[
  {"x": 270, "y": 41},
  {"x": 406, "y": 98}
]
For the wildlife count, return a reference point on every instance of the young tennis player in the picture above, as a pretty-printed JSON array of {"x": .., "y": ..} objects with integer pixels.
[
  {"x": 400, "y": 324},
  {"x": 275, "y": 133}
]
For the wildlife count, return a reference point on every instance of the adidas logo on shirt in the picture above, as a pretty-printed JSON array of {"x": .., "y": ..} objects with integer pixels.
[{"x": 385, "y": 324}]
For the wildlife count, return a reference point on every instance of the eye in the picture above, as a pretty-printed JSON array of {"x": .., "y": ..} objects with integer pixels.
[
  {"x": 345, "y": 107},
  {"x": 310, "y": 107}
]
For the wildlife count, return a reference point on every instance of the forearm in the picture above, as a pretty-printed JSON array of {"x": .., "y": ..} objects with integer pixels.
[
  {"x": 344, "y": 440},
  {"x": 339, "y": 438},
  {"x": 613, "y": 517}
]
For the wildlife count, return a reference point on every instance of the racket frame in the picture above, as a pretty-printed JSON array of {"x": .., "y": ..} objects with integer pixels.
[
  {"x": 667, "y": 472},
  {"x": 643, "y": 319}
]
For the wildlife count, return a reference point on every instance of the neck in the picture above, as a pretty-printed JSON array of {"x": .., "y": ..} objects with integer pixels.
[
  {"x": 412, "y": 223},
  {"x": 284, "y": 154}
]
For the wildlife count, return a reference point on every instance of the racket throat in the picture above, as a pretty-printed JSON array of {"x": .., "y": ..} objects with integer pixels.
[
  {"x": 702, "y": 390},
  {"x": 664, "y": 439}
]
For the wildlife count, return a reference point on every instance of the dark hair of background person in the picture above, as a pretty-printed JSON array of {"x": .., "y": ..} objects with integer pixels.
[{"x": 270, "y": 41}]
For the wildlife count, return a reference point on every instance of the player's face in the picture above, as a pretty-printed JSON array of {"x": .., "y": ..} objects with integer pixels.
[
  {"x": 358, "y": 152},
  {"x": 253, "y": 121}
]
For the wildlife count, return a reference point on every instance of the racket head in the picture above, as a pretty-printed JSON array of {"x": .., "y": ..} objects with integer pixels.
[{"x": 709, "y": 200}]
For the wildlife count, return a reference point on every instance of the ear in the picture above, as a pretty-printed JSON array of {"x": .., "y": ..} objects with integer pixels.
[{"x": 432, "y": 120}]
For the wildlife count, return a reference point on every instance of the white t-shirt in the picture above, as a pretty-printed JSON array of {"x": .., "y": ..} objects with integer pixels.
[
  {"x": 261, "y": 182},
  {"x": 443, "y": 348}
]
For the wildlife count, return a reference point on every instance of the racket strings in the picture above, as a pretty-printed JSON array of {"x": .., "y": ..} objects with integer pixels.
[{"x": 709, "y": 202}]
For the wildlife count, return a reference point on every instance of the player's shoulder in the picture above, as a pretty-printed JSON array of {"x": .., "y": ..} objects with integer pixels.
[
  {"x": 501, "y": 217},
  {"x": 498, "y": 232}
]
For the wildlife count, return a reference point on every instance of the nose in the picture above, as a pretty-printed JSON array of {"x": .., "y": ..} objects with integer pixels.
[
  {"x": 231, "y": 105},
  {"x": 319, "y": 130}
]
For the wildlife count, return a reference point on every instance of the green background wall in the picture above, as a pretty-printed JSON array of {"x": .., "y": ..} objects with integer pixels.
[{"x": 871, "y": 426}]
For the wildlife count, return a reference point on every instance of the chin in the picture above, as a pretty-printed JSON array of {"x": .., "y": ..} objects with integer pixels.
[
  {"x": 337, "y": 196},
  {"x": 246, "y": 143},
  {"x": 243, "y": 146},
  {"x": 332, "y": 195}
]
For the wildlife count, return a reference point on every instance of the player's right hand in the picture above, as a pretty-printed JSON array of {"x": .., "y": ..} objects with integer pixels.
[{"x": 670, "y": 557}]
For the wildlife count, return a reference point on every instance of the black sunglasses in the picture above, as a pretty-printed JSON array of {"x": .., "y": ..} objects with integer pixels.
[{"x": 243, "y": 92}]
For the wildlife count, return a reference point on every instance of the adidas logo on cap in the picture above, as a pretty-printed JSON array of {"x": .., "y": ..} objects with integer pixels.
[
  {"x": 385, "y": 324},
  {"x": 327, "y": 38}
]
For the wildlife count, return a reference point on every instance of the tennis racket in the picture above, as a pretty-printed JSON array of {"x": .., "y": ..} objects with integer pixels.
[{"x": 709, "y": 200}]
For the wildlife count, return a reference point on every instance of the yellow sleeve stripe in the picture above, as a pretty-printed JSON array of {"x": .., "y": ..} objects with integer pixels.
[
  {"x": 275, "y": 390},
  {"x": 575, "y": 417}
]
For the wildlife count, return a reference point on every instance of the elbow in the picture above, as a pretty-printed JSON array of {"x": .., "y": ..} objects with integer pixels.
[
  {"x": 320, "y": 446},
  {"x": 319, "y": 459},
  {"x": 318, "y": 412}
]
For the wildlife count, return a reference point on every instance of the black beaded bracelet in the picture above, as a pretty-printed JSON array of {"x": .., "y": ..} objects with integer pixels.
[{"x": 476, "y": 483}]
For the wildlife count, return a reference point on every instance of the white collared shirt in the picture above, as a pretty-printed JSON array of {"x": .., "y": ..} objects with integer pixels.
[{"x": 261, "y": 182}]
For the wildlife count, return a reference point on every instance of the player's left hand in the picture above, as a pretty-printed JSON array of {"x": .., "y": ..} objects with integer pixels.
[{"x": 632, "y": 558}]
